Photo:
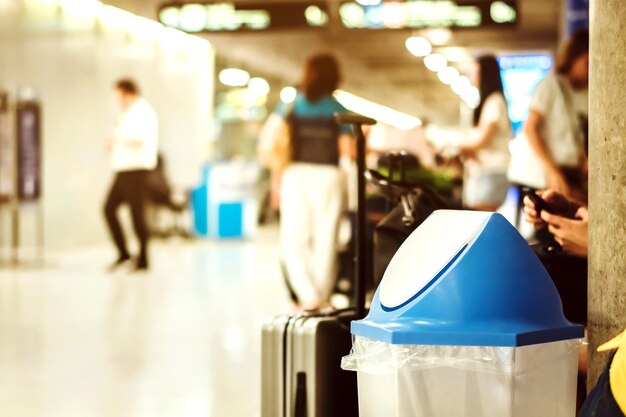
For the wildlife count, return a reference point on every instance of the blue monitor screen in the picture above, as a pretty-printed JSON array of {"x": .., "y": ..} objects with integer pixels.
[{"x": 520, "y": 76}]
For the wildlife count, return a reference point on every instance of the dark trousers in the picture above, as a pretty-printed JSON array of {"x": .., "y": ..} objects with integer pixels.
[{"x": 129, "y": 187}]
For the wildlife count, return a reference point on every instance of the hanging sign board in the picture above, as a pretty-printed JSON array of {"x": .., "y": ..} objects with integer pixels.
[
  {"x": 29, "y": 150},
  {"x": 244, "y": 16},
  {"x": 271, "y": 15}
]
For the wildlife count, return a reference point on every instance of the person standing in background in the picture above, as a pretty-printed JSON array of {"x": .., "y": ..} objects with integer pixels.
[
  {"x": 134, "y": 149},
  {"x": 553, "y": 127},
  {"x": 311, "y": 184},
  {"x": 486, "y": 152}
]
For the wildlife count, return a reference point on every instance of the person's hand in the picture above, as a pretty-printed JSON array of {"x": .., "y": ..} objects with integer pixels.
[
  {"x": 571, "y": 234},
  {"x": 551, "y": 197},
  {"x": 583, "y": 214},
  {"x": 557, "y": 182},
  {"x": 530, "y": 212},
  {"x": 558, "y": 202}
]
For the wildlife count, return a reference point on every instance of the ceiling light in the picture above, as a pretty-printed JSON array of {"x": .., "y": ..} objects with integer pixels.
[
  {"x": 169, "y": 16},
  {"x": 259, "y": 86},
  {"x": 377, "y": 111},
  {"x": 439, "y": 36},
  {"x": 369, "y": 2},
  {"x": 460, "y": 85},
  {"x": 448, "y": 75},
  {"x": 315, "y": 16},
  {"x": 288, "y": 95},
  {"x": 435, "y": 62},
  {"x": 418, "y": 46},
  {"x": 471, "y": 97},
  {"x": 234, "y": 77}
]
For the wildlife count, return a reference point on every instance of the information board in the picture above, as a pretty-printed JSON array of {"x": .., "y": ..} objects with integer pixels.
[{"x": 29, "y": 150}]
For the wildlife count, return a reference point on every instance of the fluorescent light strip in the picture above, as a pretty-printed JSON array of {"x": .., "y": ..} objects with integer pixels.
[
  {"x": 377, "y": 111},
  {"x": 140, "y": 27}
]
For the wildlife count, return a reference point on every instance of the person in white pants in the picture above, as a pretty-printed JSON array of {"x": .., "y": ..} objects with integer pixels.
[
  {"x": 312, "y": 186},
  {"x": 312, "y": 202}
]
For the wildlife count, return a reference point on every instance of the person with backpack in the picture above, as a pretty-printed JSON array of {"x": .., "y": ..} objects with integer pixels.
[{"x": 305, "y": 171}]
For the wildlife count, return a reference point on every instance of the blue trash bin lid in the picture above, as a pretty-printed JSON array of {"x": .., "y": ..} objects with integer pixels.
[{"x": 468, "y": 279}]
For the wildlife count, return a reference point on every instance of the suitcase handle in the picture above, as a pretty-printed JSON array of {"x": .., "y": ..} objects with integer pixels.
[
  {"x": 301, "y": 399},
  {"x": 357, "y": 121}
]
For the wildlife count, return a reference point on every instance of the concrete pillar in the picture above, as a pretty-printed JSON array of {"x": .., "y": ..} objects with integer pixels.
[{"x": 607, "y": 180}]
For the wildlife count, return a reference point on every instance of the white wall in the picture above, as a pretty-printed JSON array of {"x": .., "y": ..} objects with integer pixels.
[{"x": 72, "y": 62}]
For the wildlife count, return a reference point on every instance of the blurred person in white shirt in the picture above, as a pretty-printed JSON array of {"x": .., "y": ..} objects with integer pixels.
[
  {"x": 553, "y": 126},
  {"x": 133, "y": 151}
]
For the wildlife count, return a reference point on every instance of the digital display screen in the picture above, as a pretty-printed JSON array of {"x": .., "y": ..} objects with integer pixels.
[{"x": 520, "y": 76}]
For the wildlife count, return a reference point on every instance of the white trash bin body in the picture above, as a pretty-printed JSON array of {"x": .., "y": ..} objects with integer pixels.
[{"x": 467, "y": 327}]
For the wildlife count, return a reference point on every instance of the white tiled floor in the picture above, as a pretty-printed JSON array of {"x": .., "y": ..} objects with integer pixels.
[{"x": 183, "y": 340}]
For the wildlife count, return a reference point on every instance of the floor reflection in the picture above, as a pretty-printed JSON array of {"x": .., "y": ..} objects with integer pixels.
[{"x": 182, "y": 340}]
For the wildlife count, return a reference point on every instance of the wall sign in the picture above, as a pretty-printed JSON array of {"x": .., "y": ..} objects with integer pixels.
[
  {"x": 29, "y": 150},
  {"x": 7, "y": 152}
]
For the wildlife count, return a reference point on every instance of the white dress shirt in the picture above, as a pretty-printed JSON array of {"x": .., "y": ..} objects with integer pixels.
[{"x": 136, "y": 137}]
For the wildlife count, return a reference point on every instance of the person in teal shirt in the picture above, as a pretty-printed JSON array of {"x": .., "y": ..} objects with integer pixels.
[{"x": 312, "y": 185}]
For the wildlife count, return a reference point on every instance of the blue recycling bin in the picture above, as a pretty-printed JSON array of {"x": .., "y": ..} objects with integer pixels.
[
  {"x": 226, "y": 204},
  {"x": 466, "y": 322}
]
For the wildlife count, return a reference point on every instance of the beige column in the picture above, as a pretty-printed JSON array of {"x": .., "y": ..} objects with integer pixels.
[{"x": 607, "y": 178}]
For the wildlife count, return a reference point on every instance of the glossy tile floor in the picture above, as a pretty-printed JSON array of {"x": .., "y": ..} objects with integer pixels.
[{"x": 182, "y": 340}]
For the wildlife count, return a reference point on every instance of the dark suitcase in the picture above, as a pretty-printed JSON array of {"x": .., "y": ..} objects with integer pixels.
[{"x": 301, "y": 354}]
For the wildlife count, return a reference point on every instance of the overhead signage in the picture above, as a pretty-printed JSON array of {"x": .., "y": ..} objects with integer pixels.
[
  {"x": 415, "y": 14},
  {"x": 244, "y": 16},
  {"x": 257, "y": 16}
]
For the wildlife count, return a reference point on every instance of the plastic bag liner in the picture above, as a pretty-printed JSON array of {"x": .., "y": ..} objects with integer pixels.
[{"x": 380, "y": 358}]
